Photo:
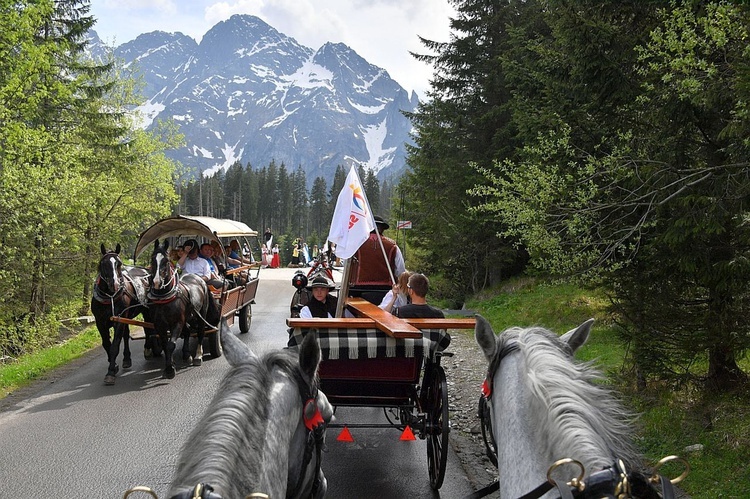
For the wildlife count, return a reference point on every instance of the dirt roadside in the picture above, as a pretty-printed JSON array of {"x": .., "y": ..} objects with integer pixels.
[{"x": 465, "y": 371}]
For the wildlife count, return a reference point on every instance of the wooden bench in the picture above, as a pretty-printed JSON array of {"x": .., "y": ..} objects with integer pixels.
[{"x": 371, "y": 316}]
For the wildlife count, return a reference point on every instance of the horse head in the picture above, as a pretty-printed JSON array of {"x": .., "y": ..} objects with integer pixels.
[
  {"x": 110, "y": 269},
  {"x": 263, "y": 431},
  {"x": 544, "y": 406},
  {"x": 162, "y": 273}
]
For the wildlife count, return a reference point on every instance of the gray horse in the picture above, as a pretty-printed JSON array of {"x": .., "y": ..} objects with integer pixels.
[
  {"x": 545, "y": 407},
  {"x": 263, "y": 431}
]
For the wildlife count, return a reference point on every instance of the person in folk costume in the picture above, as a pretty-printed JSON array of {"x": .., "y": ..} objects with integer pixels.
[
  {"x": 275, "y": 257},
  {"x": 321, "y": 304},
  {"x": 372, "y": 275},
  {"x": 296, "y": 246},
  {"x": 265, "y": 258}
]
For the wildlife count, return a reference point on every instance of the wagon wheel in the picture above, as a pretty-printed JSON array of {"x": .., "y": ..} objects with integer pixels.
[
  {"x": 246, "y": 318},
  {"x": 214, "y": 344},
  {"x": 438, "y": 424}
]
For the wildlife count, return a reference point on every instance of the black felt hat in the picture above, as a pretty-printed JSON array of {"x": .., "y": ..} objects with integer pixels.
[
  {"x": 321, "y": 282},
  {"x": 380, "y": 223}
]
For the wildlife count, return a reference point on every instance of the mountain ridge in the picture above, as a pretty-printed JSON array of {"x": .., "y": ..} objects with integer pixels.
[{"x": 250, "y": 93}]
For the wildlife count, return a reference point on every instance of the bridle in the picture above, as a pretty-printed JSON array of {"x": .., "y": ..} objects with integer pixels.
[
  {"x": 611, "y": 482},
  {"x": 167, "y": 292}
]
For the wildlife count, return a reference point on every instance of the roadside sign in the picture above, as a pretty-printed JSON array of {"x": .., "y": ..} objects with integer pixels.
[{"x": 403, "y": 224}]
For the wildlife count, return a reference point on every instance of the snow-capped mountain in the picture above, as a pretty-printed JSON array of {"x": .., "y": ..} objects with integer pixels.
[{"x": 249, "y": 93}]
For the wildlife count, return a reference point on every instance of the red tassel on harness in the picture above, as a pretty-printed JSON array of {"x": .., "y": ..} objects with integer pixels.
[
  {"x": 486, "y": 389},
  {"x": 312, "y": 416}
]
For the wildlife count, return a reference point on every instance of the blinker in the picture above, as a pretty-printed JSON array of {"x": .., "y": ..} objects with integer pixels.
[{"x": 311, "y": 415}]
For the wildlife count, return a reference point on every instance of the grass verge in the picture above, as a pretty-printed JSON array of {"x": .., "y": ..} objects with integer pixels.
[{"x": 27, "y": 368}]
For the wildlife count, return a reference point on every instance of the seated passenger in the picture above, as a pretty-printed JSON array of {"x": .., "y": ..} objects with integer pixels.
[
  {"x": 417, "y": 287},
  {"x": 321, "y": 304},
  {"x": 398, "y": 296},
  {"x": 192, "y": 263}
]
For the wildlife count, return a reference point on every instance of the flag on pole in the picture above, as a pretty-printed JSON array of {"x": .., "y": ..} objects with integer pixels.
[{"x": 352, "y": 221}]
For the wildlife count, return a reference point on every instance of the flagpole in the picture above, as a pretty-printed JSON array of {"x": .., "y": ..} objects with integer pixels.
[{"x": 344, "y": 290}]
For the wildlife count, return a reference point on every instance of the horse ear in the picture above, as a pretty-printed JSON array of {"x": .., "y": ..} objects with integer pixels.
[
  {"x": 235, "y": 350},
  {"x": 309, "y": 355},
  {"x": 485, "y": 337},
  {"x": 117, "y": 248},
  {"x": 166, "y": 244},
  {"x": 104, "y": 250},
  {"x": 575, "y": 338},
  {"x": 156, "y": 245}
]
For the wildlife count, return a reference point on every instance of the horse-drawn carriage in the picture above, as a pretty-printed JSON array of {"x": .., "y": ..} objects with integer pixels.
[
  {"x": 374, "y": 359},
  {"x": 172, "y": 305}
]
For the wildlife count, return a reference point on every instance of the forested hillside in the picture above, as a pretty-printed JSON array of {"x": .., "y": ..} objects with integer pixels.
[{"x": 607, "y": 142}]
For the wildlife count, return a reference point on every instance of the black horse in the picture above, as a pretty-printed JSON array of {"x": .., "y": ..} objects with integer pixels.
[
  {"x": 179, "y": 306},
  {"x": 118, "y": 292}
]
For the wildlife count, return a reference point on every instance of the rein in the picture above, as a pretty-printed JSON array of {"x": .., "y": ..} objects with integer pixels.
[{"x": 611, "y": 482}]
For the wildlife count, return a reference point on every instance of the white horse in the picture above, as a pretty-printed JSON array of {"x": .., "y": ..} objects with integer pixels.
[
  {"x": 545, "y": 407},
  {"x": 262, "y": 432}
]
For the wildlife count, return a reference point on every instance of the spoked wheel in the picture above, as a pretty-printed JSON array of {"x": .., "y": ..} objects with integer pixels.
[
  {"x": 438, "y": 423},
  {"x": 246, "y": 318}
]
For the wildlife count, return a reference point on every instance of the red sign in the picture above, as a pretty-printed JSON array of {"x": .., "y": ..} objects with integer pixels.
[{"x": 403, "y": 224}]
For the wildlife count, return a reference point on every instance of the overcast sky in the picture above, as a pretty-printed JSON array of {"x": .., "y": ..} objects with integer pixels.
[{"x": 381, "y": 31}]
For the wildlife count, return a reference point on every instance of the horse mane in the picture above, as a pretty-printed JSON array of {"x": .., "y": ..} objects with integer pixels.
[
  {"x": 580, "y": 415},
  {"x": 225, "y": 447}
]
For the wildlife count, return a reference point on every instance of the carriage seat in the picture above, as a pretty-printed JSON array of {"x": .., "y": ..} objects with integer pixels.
[{"x": 369, "y": 367}]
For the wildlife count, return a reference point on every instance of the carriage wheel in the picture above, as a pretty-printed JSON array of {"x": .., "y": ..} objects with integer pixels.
[
  {"x": 246, "y": 318},
  {"x": 438, "y": 423},
  {"x": 214, "y": 344}
]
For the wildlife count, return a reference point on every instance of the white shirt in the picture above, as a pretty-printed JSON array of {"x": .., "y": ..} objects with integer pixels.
[
  {"x": 197, "y": 266},
  {"x": 401, "y": 300}
]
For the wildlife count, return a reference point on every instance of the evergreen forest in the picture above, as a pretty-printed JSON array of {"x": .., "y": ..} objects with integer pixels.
[{"x": 604, "y": 142}]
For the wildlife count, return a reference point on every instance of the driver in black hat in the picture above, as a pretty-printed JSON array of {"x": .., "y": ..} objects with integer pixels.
[{"x": 370, "y": 274}]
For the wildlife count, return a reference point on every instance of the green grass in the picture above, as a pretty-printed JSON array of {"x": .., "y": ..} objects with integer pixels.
[{"x": 32, "y": 366}]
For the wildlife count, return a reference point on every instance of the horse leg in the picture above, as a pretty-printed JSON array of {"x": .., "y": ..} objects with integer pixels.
[
  {"x": 127, "y": 363},
  {"x": 185, "y": 344},
  {"x": 198, "y": 353},
  {"x": 114, "y": 350},
  {"x": 169, "y": 346}
]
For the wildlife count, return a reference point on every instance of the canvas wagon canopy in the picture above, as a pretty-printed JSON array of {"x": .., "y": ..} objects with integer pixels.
[{"x": 186, "y": 225}]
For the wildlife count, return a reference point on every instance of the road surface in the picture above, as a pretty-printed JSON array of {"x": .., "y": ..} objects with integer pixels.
[{"x": 71, "y": 436}]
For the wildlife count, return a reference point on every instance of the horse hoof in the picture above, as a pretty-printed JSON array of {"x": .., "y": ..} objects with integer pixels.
[
  {"x": 127, "y": 364},
  {"x": 148, "y": 353},
  {"x": 169, "y": 374},
  {"x": 197, "y": 361},
  {"x": 109, "y": 379}
]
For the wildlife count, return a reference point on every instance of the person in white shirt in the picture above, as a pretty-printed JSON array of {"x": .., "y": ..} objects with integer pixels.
[
  {"x": 398, "y": 296},
  {"x": 192, "y": 263}
]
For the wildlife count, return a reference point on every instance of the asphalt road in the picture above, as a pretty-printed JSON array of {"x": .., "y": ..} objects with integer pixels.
[{"x": 69, "y": 435}]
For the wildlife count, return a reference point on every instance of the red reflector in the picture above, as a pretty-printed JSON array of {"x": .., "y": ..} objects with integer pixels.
[
  {"x": 345, "y": 436},
  {"x": 407, "y": 434}
]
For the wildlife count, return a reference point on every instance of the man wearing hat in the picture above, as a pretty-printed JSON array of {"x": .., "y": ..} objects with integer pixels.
[
  {"x": 321, "y": 304},
  {"x": 370, "y": 275}
]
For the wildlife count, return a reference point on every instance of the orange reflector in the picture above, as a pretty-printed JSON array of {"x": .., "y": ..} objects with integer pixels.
[
  {"x": 345, "y": 436},
  {"x": 407, "y": 434}
]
